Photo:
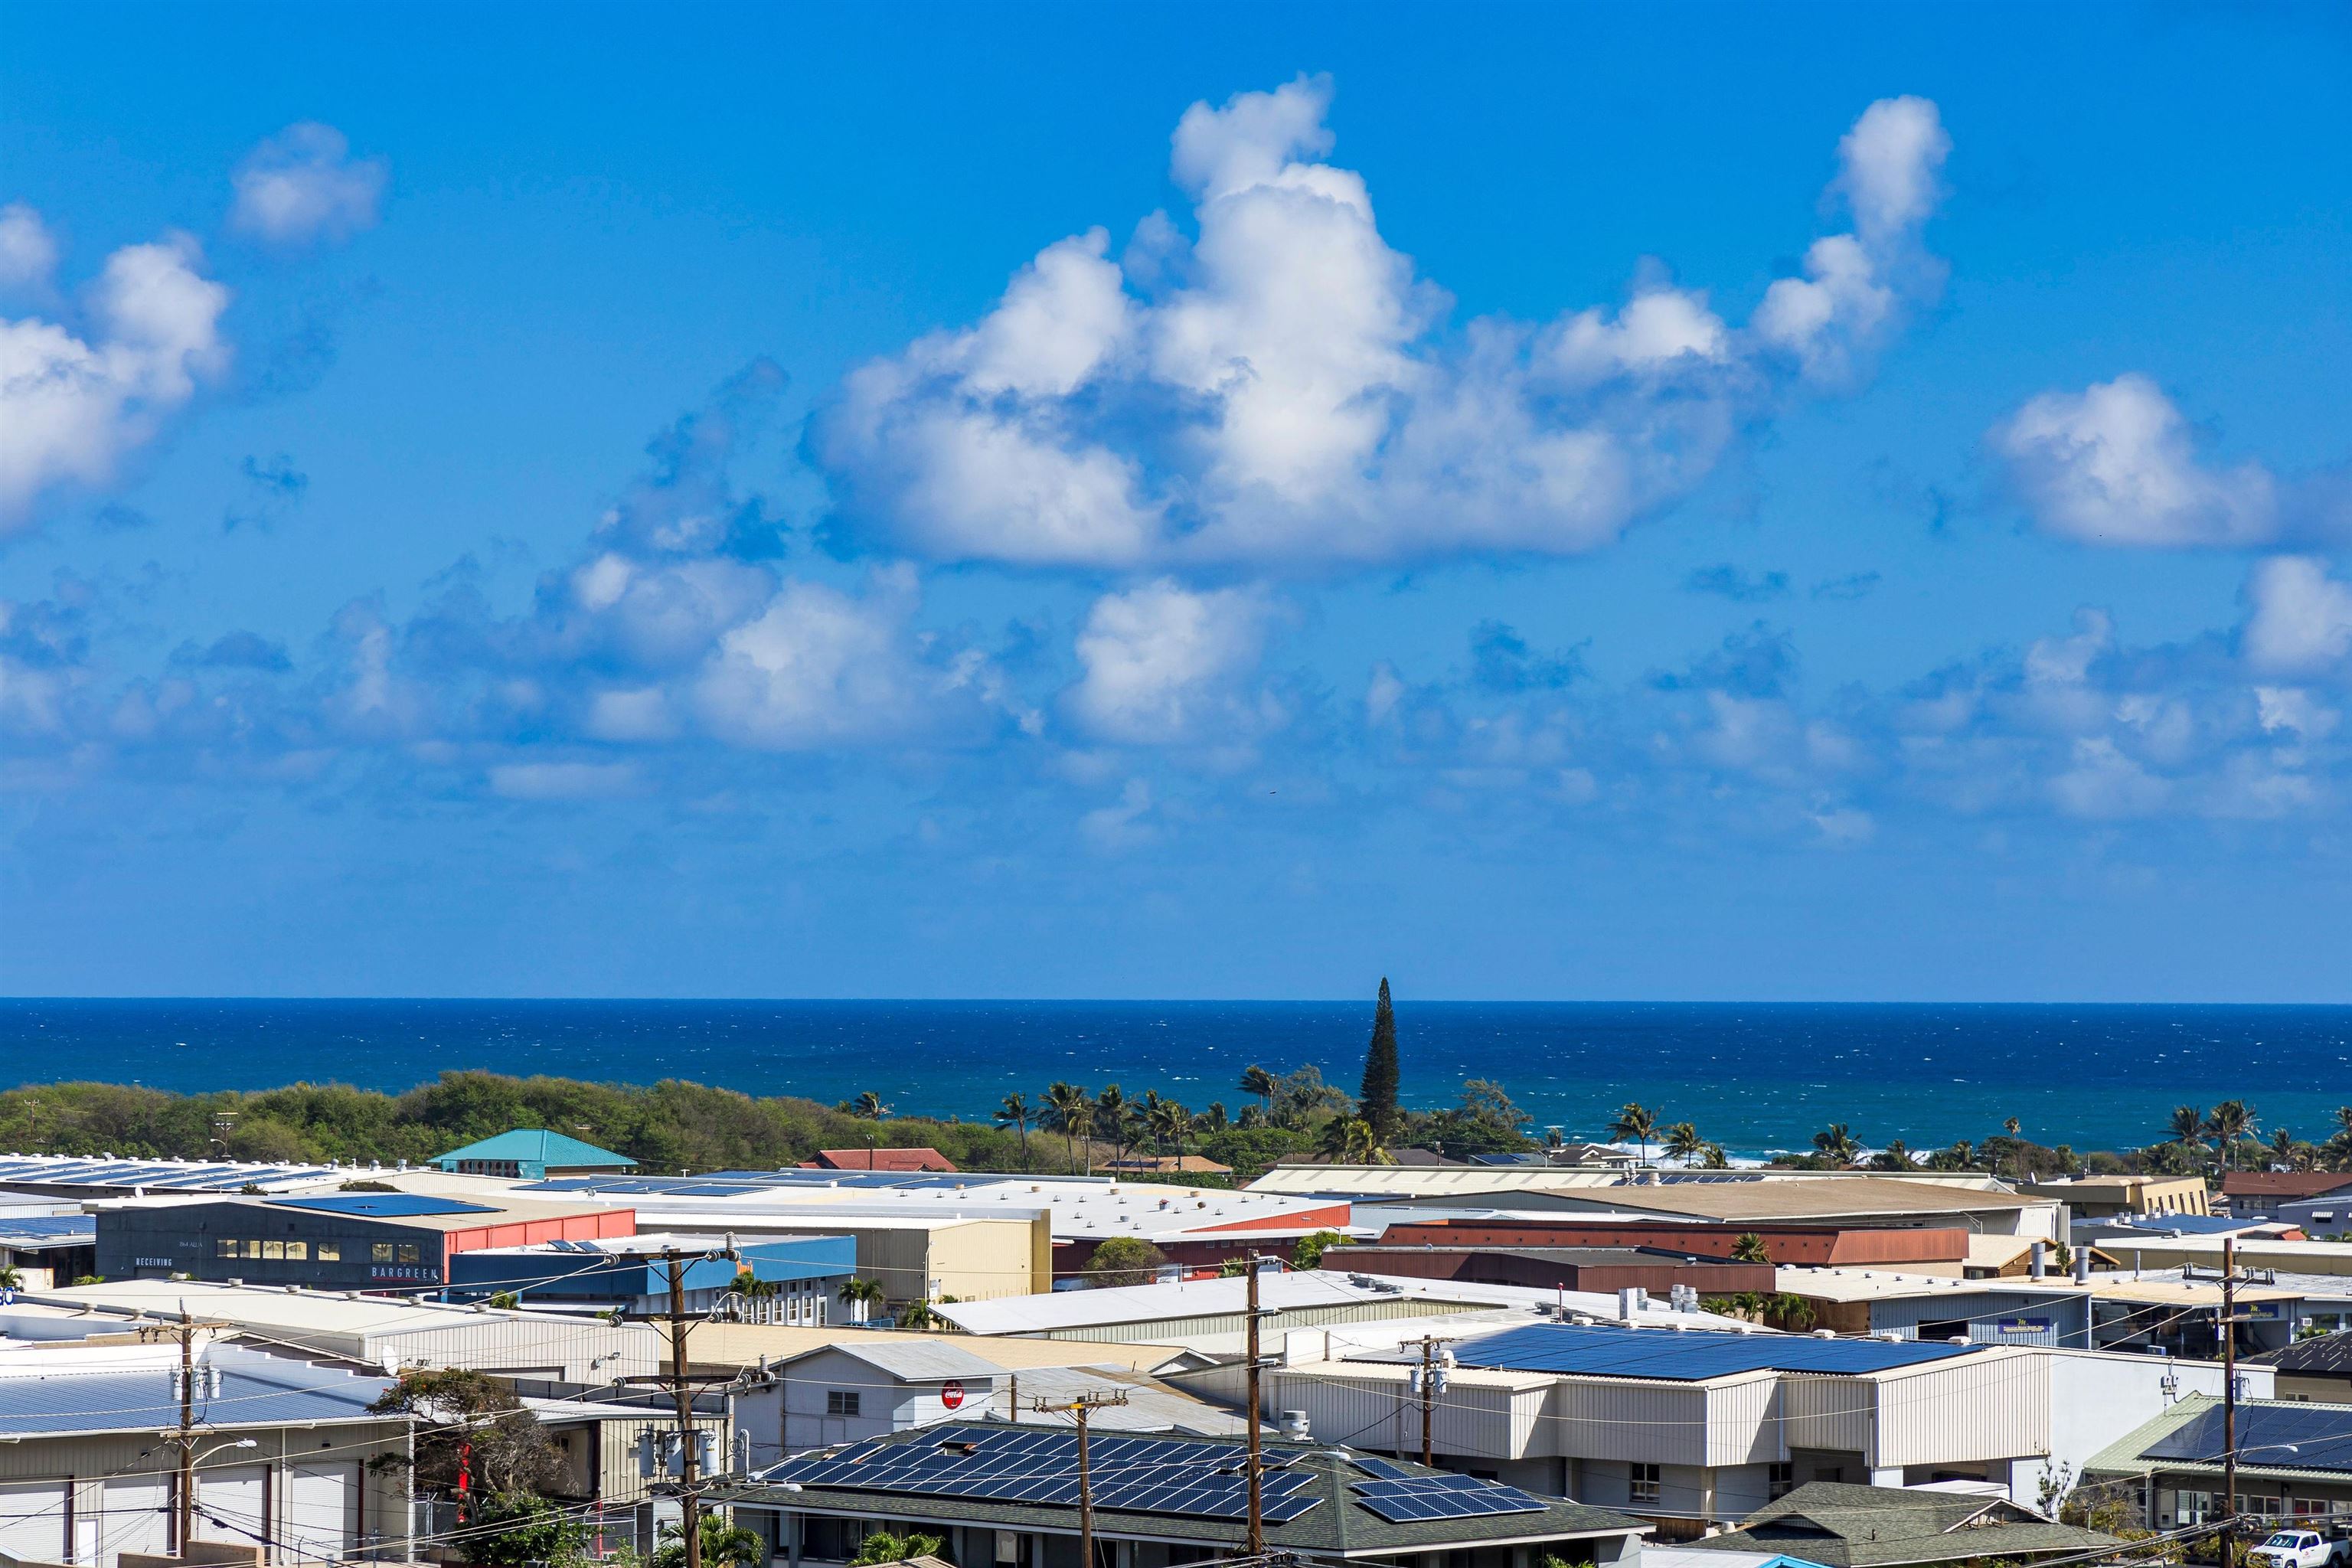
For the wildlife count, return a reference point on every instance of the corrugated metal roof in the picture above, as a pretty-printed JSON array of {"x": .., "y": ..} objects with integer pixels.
[
  {"x": 104, "y": 1389},
  {"x": 919, "y": 1360}
]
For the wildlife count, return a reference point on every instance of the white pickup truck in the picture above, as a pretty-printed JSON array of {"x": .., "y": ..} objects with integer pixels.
[{"x": 2302, "y": 1549}]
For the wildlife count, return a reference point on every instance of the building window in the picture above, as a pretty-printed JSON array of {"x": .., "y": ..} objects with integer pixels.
[
  {"x": 1781, "y": 1483},
  {"x": 380, "y": 1252},
  {"x": 2261, "y": 1507},
  {"x": 227, "y": 1247},
  {"x": 841, "y": 1402},
  {"x": 1645, "y": 1484},
  {"x": 2191, "y": 1508},
  {"x": 330, "y": 1252},
  {"x": 2303, "y": 1506},
  {"x": 273, "y": 1249},
  {"x": 408, "y": 1253},
  {"x": 298, "y": 1251}
]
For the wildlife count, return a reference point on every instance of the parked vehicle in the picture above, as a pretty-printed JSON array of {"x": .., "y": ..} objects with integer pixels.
[{"x": 2302, "y": 1549}]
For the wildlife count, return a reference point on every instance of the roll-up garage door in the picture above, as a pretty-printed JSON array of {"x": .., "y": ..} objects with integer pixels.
[
  {"x": 134, "y": 1514},
  {"x": 321, "y": 1515},
  {"x": 233, "y": 1505},
  {"x": 32, "y": 1520}
]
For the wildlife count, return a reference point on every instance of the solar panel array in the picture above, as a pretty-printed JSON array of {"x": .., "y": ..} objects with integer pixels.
[
  {"x": 1383, "y": 1470},
  {"x": 1130, "y": 1475},
  {"x": 2307, "y": 1438},
  {"x": 1406, "y": 1498},
  {"x": 385, "y": 1205},
  {"x": 160, "y": 1176},
  {"x": 1605, "y": 1352}
]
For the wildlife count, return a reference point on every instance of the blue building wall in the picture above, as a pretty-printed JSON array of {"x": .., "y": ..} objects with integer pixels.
[{"x": 557, "y": 1272}]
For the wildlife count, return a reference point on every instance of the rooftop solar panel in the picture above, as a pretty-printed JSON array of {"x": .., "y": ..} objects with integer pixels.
[
  {"x": 1606, "y": 1352},
  {"x": 1442, "y": 1496},
  {"x": 1137, "y": 1475},
  {"x": 1385, "y": 1470},
  {"x": 384, "y": 1205},
  {"x": 2317, "y": 1437}
]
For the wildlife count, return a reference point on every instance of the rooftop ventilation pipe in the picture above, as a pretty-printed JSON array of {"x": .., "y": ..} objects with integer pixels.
[
  {"x": 1294, "y": 1425},
  {"x": 2082, "y": 1266},
  {"x": 2041, "y": 1266}
]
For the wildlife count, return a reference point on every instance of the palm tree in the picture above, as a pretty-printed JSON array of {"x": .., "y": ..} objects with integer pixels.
[
  {"x": 1170, "y": 1122},
  {"x": 1070, "y": 1113},
  {"x": 1213, "y": 1119},
  {"x": 1258, "y": 1081},
  {"x": 2231, "y": 1119},
  {"x": 1352, "y": 1140},
  {"x": 1634, "y": 1121},
  {"x": 1016, "y": 1113},
  {"x": 1712, "y": 1158},
  {"x": 1750, "y": 1248},
  {"x": 1683, "y": 1143},
  {"x": 1835, "y": 1143},
  {"x": 868, "y": 1107},
  {"x": 2289, "y": 1151},
  {"x": 2187, "y": 1127},
  {"x": 1147, "y": 1120},
  {"x": 1895, "y": 1157},
  {"x": 863, "y": 1295},
  {"x": 1110, "y": 1120}
]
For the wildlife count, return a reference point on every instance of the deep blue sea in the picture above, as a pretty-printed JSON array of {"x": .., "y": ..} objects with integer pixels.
[{"x": 1753, "y": 1077}]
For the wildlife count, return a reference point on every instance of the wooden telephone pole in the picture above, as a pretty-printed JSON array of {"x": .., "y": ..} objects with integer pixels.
[
  {"x": 1079, "y": 1407},
  {"x": 187, "y": 1439},
  {"x": 1428, "y": 1344},
  {"x": 2229, "y": 1402},
  {"x": 1254, "y": 1467}
]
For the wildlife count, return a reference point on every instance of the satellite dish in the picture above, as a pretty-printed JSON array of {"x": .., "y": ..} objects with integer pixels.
[{"x": 390, "y": 1365}]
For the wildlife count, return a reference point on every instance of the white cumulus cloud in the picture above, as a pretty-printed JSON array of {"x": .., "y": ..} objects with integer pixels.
[
  {"x": 2115, "y": 464},
  {"x": 1283, "y": 388},
  {"x": 72, "y": 406},
  {"x": 303, "y": 185},
  {"x": 29, "y": 252},
  {"x": 2299, "y": 619},
  {"x": 1165, "y": 664}
]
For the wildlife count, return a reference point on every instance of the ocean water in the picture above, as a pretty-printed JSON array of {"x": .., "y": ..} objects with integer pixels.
[{"x": 1753, "y": 1077}]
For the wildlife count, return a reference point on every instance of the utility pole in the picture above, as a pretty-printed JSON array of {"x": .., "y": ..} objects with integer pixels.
[
  {"x": 689, "y": 1524},
  {"x": 2229, "y": 1402},
  {"x": 1428, "y": 1344},
  {"x": 1254, "y": 1467},
  {"x": 1079, "y": 1407},
  {"x": 187, "y": 1498}
]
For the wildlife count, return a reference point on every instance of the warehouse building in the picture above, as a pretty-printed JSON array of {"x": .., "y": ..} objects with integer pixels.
[
  {"x": 330, "y": 1241},
  {"x": 1705, "y": 1427},
  {"x": 1597, "y": 1270},
  {"x": 793, "y": 1277},
  {"x": 370, "y": 1331},
  {"x": 2110, "y": 1311},
  {"x": 282, "y": 1462}
]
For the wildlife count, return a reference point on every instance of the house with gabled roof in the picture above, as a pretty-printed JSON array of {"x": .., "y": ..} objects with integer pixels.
[
  {"x": 1846, "y": 1526},
  {"x": 534, "y": 1154}
]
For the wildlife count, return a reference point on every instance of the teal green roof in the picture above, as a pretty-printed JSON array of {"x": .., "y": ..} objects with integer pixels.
[{"x": 538, "y": 1145}]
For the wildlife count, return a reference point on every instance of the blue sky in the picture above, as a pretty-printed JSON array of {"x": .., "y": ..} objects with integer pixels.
[{"x": 1734, "y": 502}]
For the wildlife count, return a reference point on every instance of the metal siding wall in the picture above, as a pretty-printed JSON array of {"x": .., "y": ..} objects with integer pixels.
[
  {"x": 1743, "y": 1423},
  {"x": 1820, "y": 1411},
  {"x": 1992, "y": 1406},
  {"x": 1984, "y": 1310},
  {"x": 1644, "y": 1423}
]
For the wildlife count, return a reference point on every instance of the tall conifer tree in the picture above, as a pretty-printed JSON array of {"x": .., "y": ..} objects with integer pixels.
[{"x": 1376, "y": 1102}]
